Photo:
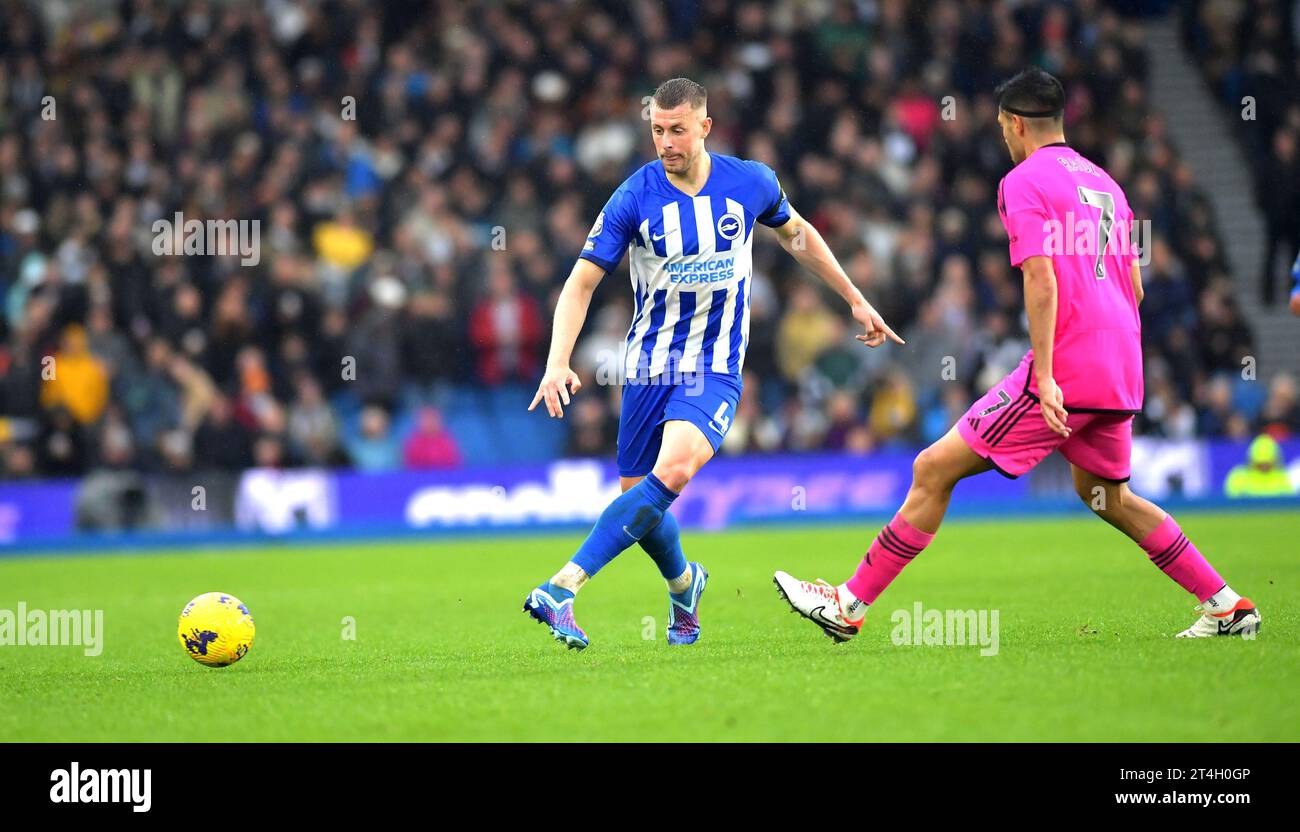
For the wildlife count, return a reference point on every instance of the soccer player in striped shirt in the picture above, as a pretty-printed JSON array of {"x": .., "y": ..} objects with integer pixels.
[
  {"x": 1076, "y": 391},
  {"x": 687, "y": 222}
]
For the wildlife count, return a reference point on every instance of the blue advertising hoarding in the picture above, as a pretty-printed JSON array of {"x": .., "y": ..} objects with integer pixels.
[{"x": 564, "y": 493}]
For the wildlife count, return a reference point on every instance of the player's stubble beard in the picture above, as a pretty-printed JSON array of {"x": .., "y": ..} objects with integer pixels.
[
  {"x": 685, "y": 164},
  {"x": 681, "y": 166},
  {"x": 1007, "y": 134},
  {"x": 1016, "y": 158}
]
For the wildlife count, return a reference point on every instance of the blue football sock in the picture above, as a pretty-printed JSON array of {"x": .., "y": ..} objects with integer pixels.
[
  {"x": 623, "y": 522},
  {"x": 663, "y": 544}
]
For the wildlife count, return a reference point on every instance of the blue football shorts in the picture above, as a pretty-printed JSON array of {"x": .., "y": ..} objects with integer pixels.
[{"x": 706, "y": 400}]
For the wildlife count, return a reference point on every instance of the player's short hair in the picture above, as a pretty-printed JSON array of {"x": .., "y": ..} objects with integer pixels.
[
  {"x": 1032, "y": 93},
  {"x": 676, "y": 91}
]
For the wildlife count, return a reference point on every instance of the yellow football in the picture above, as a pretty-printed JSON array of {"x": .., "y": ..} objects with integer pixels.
[{"x": 216, "y": 629}]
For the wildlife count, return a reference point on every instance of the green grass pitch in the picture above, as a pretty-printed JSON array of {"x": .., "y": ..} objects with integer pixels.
[{"x": 443, "y": 652}]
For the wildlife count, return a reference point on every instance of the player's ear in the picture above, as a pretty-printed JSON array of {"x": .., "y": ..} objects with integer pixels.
[{"x": 706, "y": 124}]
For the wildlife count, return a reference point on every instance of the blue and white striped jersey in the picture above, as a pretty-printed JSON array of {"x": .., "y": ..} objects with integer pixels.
[{"x": 691, "y": 259}]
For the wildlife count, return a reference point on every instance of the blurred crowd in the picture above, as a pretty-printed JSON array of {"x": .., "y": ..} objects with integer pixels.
[
  {"x": 425, "y": 174},
  {"x": 1250, "y": 53}
]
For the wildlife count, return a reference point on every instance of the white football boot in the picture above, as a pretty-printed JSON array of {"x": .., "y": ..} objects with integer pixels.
[
  {"x": 1242, "y": 620},
  {"x": 818, "y": 602}
]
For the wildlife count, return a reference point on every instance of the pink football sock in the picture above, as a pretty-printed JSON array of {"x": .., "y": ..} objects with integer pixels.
[
  {"x": 1170, "y": 550},
  {"x": 894, "y": 548}
]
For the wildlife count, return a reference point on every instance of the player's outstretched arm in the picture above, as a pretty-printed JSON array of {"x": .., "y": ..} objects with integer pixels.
[
  {"x": 1040, "y": 307},
  {"x": 805, "y": 244},
  {"x": 570, "y": 312}
]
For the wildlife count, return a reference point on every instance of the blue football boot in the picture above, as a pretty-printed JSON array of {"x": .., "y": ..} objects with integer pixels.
[
  {"x": 553, "y": 606},
  {"x": 684, "y": 609}
]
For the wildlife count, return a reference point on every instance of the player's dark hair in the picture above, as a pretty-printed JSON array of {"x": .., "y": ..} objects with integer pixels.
[
  {"x": 1032, "y": 93},
  {"x": 676, "y": 91}
]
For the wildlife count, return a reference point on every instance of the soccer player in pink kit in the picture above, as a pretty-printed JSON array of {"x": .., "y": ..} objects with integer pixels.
[{"x": 1076, "y": 391}]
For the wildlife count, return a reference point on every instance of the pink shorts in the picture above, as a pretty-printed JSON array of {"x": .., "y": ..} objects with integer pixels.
[{"x": 1007, "y": 428}]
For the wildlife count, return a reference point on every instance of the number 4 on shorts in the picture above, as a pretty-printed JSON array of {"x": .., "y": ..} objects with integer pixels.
[{"x": 721, "y": 421}]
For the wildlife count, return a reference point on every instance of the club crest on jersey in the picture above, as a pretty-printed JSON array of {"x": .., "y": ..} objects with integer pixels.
[
  {"x": 600, "y": 224},
  {"x": 729, "y": 226}
]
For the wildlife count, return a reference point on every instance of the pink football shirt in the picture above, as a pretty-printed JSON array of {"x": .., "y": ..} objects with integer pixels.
[{"x": 1058, "y": 204}]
